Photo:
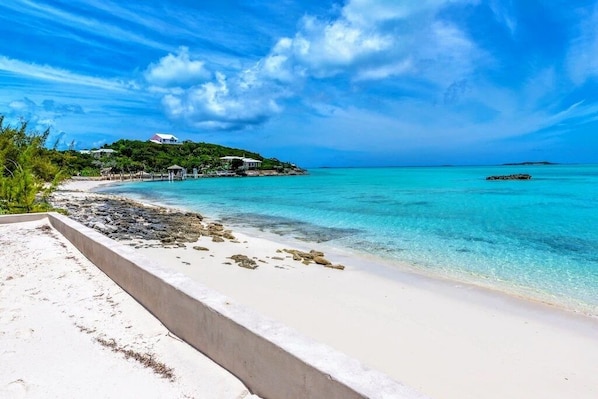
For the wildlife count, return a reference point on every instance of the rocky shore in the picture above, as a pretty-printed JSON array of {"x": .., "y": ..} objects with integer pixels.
[
  {"x": 145, "y": 226},
  {"x": 122, "y": 219}
]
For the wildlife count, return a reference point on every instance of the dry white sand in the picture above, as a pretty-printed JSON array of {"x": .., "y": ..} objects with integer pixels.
[
  {"x": 61, "y": 318},
  {"x": 447, "y": 340}
]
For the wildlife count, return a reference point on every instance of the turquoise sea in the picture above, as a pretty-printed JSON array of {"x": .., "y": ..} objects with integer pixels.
[{"x": 536, "y": 238}]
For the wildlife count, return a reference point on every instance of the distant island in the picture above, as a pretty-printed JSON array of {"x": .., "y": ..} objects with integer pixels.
[{"x": 528, "y": 163}]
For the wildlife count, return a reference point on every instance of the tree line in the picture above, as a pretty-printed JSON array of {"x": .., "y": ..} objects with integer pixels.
[{"x": 136, "y": 156}]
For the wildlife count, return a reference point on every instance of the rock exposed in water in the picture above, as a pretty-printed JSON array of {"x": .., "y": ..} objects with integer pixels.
[{"x": 518, "y": 176}]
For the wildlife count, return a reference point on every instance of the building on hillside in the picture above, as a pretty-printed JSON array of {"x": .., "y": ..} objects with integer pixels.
[
  {"x": 160, "y": 138},
  {"x": 103, "y": 152},
  {"x": 248, "y": 163}
]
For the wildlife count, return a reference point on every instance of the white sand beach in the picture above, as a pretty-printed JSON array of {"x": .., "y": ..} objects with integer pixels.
[
  {"x": 445, "y": 339},
  {"x": 68, "y": 331}
]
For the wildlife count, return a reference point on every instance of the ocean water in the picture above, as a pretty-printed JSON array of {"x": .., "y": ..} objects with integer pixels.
[{"x": 536, "y": 238}]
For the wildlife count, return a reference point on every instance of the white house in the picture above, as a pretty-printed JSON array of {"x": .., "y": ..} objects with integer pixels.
[
  {"x": 99, "y": 153},
  {"x": 160, "y": 138},
  {"x": 248, "y": 163},
  {"x": 102, "y": 152}
]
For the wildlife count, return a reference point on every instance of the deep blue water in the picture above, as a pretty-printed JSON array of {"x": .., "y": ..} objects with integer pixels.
[{"x": 538, "y": 238}]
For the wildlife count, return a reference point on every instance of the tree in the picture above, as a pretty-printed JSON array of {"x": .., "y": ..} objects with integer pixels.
[{"x": 28, "y": 173}]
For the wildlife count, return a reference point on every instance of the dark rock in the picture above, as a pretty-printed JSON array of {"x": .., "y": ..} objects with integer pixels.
[
  {"x": 244, "y": 261},
  {"x": 320, "y": 260},
  {"x": 519, "y": 176}
]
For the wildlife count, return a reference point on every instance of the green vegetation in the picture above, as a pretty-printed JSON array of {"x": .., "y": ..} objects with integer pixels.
[
  {"x": 29, "y": 172},
  {"x": 134, "y": 156}
]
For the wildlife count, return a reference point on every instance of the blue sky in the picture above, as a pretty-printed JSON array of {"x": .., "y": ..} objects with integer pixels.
[{"x": 319, "y": 83}]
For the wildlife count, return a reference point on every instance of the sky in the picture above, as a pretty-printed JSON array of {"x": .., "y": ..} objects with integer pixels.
[{"x": 314, "y": 82}]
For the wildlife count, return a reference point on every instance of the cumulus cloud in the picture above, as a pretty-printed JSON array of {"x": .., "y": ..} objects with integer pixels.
[
  {"x": 366, "y": 40},
  {"x": 176, "y": 70},
  {"x": 222, "y": 105}
]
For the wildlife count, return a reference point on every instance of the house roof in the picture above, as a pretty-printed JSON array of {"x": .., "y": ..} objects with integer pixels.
[
  {"x": 231, "y": 157},
  {"x": 165, "y": 136},
  {"x": 175, "y": 167},
  {"x": 104, "y": 150}
]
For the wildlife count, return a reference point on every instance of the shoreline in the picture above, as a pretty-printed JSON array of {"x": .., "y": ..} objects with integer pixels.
[
  {"x": 430, "y": 333},
  {"x": 378, "y": 264}
]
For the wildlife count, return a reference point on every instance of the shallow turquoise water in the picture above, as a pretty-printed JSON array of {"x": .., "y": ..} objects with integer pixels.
[{"x": 537, "y": 237}]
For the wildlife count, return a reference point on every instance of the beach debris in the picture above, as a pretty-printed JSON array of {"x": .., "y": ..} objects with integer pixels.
[
  {"x": 517, "y": 176},
  {"x": 198, "y": 248},
  {"x": 146, "y": 359},
  {"x": 244, "y": 261}
]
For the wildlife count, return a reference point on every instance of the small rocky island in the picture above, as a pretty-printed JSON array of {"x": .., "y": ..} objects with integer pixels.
[{"x": 517, "y": 176}]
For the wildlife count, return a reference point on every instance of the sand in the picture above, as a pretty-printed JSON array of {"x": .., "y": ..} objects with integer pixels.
[
  {"x": 68, "y": 331},
  {"x": 445, "y": 339}
]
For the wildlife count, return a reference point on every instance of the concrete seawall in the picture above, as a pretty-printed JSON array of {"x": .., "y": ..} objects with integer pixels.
[{"x": 273, "y": 360}]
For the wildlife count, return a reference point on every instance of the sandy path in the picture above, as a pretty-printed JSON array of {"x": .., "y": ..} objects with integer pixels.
[{"x": 66, "y": 328}]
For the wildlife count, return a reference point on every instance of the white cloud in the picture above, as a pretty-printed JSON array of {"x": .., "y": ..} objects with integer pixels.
[
  {"x": 327, "y": 48},
  {"x": 368, "y": 40},
  {"x": 223, "y": 105},
  {"x": 176, "y": 70},
  {"x": 48, "y": 73},
  {"x": 42, "y": 116},
  {"x": 378, "y": 39},
  {"x": 73, "y": 21},
  {"x": 582, "y": 60},
  {"x": 504, "y": 15}
]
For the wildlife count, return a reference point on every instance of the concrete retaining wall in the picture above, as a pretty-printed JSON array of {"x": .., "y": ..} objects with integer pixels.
[{"x": 271, "y": 359}]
